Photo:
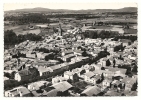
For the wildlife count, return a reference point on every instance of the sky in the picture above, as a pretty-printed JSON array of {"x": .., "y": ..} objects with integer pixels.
[{"x": 71, "y": 6}]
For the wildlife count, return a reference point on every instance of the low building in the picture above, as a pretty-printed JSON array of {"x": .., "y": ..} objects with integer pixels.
[
  {"x": 68, "y": 75},
  {"x": 58, "y": 79},
  {"x": 18, "y": 92},
  {"x": 89, "y": 76},
  {"x": 68, "y": 57},
  {"x": 23, "y": 75},
  {"x": 125, "y": 42},
  {"x": 106, "y": 82},
  {"x": 45, "y": 71},
  {"x": 36, "y": 85}
]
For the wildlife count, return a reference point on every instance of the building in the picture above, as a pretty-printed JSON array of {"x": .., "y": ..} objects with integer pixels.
[
  {"x": 36, "y": 85},
  {"x": 44, "y": 71},
  {"x": 62, "y": 86},
  {"x": 91, "y": 91},
  {"x": 18, "y": 92},
  {"x": 23, "y": 75}
]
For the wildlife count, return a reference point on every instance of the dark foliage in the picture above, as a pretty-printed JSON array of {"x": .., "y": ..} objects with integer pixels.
[{"x": 11, "y": 38}]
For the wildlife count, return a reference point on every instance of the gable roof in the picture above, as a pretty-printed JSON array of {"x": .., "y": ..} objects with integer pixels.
[
  {"x": 125, "y": 40},
  {"x": 24, "y": 72},
  {"x": 62, "y": 86},
  {"x": 122, "y": 71},
  {"x": 21, "y": 89},
  {"x": 43, "y": 69},
  {"x": 52, "y": 93},
  {"x": 58, "y": 66},
  {"x": 90, "y": 91},
  {"x": 89, "y": 74}
]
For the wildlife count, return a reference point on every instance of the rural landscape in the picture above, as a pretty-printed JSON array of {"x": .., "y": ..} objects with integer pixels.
[{"x": 75, "y": 53}]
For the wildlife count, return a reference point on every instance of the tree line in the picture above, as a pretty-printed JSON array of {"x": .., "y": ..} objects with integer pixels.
[
  {"x": 10, "y": 38},
  {"x": 107, "y": 34}
]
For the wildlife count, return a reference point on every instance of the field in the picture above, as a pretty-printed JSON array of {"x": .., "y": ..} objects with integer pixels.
[
  {"x": 65, "y": 24},
  {"x": 130, "y": 31},
  {"x": 130, "y": 20}
]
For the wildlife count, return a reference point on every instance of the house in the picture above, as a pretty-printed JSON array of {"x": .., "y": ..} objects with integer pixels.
[
  {"x": 128, "y": 83},
  {"x": 22, "y": 75},
  {"x": 102, "y": 62},
  {"x": 58, "y": 79},
  {"x": 68, "y": 57},
  {"x": 59, "y": 67},
  {"x": 125, "y": 42},
  {"x": 107, "y": 82},
  {"x": 67, "y": 52},
  {"x": 91, "y": 91},
  {"x": 36, "y": 85},
  {"x": 96, "y": 66},
  {"x": 89, "y": 75},
  {"x": 40, "y": 63},
  {"x": 53, "y": 62},
  {"x": 62, "y": 86},
  {"x": 117, "y": 70},
  {"x": 116, "y": 85},
  {"x": 98, "y": 78},
  {"x": 44, "y": 71},
  {"x": 29, "y": 55},
  {"x": 88, "y": 68},
  {"x": 77, "y": 71},
  {"x": 68, "y": 75},
  {"x": 78, "y": 52},
  {"x": 18, "y": 92},
  {"x": 41, "y": 55}
]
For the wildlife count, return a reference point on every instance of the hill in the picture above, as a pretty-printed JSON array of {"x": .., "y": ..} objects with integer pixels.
[{"x": 46, "y": 10}]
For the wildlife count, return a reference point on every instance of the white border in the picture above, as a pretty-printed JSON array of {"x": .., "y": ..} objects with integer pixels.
[{"x": 71, "y": 1}]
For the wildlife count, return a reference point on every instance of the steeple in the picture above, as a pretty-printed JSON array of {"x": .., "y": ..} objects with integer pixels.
[{"x": 60, "y": 29}]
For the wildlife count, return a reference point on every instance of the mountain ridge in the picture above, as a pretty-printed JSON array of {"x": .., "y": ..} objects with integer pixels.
[{"x": 40, "y": 9}]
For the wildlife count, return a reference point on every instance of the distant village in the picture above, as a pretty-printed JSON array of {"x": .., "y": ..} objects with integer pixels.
[{"x": 59, "y": 66}]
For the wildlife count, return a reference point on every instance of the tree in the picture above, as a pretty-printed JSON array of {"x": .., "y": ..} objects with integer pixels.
[
  {"x": 102, "y": 68},
  {"x": 13, "y": 74},
  {"x": 114, "y": 62},
  {"x": 75, "y": 78},
  {"x": 7, "y": 75},
  {"x": 84, "y": 54},
  {"x": 108, "y": 63},
  {"x": 102, "y": 76},
  {"x": 134, "y": 87},
  {"x": 10, "y": 37}
]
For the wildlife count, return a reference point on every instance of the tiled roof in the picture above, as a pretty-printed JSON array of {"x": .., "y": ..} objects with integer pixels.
[
  {"x": 89, "y": 74},
  {"x": 25, "y": 72},
  {"x": 52, "y": 93},
  {"x": 62, "y": 86},
  {"x": 90, "y": 91}
]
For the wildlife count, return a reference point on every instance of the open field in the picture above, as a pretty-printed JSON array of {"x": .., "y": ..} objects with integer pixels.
[
  {"x": 130, "y": 20},
  {"x": 23, "y": 29}
]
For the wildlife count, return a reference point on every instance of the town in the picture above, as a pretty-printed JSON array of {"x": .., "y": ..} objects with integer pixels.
[{"x": 90, "y": 58}]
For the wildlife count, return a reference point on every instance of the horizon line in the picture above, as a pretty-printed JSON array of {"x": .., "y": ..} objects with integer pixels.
[{"x": 69, "y": 9}]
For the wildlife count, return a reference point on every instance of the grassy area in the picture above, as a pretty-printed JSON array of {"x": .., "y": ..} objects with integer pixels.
[{"x": 130, "y": 20}]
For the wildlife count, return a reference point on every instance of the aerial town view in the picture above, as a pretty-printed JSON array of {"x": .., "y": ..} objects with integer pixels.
[{"x": 64, "y": 52}]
